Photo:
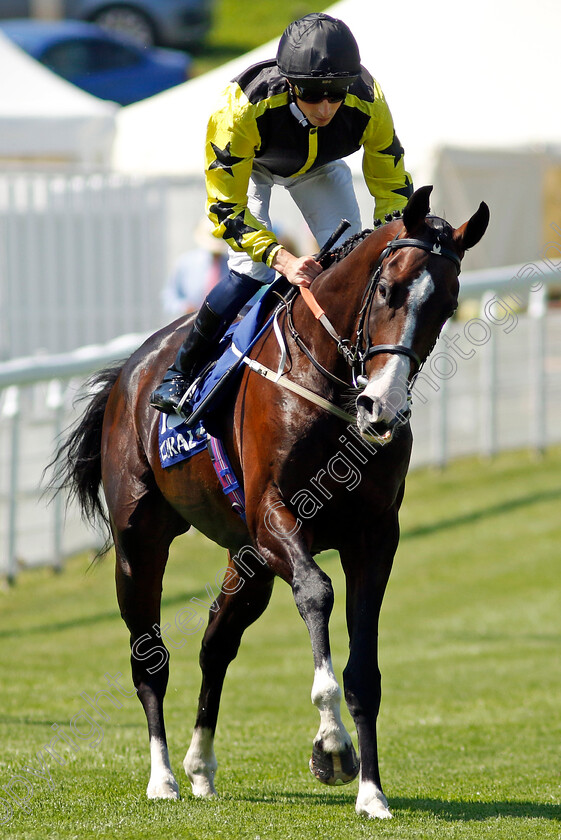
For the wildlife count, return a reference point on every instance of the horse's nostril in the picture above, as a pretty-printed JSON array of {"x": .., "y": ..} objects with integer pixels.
[{"x": 365, "y": 402}]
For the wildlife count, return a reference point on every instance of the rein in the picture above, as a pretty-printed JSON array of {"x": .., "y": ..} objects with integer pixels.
[
  {"x": 354, "y": 354},
  {"x": 319, "y": 314}
]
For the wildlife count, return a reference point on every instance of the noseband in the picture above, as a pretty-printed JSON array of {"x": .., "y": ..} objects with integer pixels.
[{"x": 364, "y": 355}]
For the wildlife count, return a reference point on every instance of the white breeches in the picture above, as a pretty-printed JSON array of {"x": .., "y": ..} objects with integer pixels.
[{"x": 324, "y": 196}]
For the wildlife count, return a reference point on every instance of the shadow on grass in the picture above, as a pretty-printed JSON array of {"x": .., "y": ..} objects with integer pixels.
[
  {"x": 445, "y": 810},
  {"x": 484, "y": 513},
  {"x": 296, "y": 798},
  {"x": 97, "y": 618},
  {"x": 48, "y": 723},
  {"x": 423, "y": 530},
  {"x": 477, "y": 811}
]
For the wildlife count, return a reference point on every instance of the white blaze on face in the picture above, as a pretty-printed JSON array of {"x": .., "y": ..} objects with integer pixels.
[{"x": 388, "y": 388}]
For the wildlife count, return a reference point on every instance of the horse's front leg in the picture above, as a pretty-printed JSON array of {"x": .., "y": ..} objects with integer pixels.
[
  {"x": 367, "y": 571},
  {"x": 333, "y": 760}
]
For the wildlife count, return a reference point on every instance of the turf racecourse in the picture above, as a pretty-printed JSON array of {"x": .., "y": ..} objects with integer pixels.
[{"x": 470, "y": 728}]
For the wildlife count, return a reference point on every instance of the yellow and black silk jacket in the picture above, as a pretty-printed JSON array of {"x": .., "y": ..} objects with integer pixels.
[{"x": 254, "y": 122}]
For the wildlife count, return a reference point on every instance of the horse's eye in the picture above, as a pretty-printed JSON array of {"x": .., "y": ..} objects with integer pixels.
[{"x": 382, "y": 290}]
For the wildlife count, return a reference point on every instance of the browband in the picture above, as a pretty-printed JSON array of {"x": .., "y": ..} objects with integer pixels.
[{"x": 434, "y": 248}]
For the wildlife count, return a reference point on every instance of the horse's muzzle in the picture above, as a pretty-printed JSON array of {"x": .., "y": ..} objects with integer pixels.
[{"x": 375, "y": 423}]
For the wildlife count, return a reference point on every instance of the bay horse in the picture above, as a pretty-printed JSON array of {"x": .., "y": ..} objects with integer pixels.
[{"x": 384, "y": 305}]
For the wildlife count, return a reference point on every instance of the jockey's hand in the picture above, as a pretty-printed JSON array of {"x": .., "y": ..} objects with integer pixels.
[{"x": 300, "y": 271}]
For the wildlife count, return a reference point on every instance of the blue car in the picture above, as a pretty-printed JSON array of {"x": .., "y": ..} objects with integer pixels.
[
  {"x": 165, "y": 23},
  {"x": 102, "y": 63}
]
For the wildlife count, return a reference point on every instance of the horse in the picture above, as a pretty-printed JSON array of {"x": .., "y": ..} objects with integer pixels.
[{"x": 379, "y": 308}]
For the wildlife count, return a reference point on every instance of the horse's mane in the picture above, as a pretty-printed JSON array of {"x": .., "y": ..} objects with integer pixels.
[
  {"x": 349, "y": 244},
  {"x": 441, "y": 226},
  {"x": 343, "y": 250}
]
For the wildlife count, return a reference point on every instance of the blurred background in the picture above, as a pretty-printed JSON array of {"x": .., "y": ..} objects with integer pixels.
[{"x": 103, "y": 111}]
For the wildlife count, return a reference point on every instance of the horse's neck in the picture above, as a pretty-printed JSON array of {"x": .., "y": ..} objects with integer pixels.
[{"x": 340, "y": 289}]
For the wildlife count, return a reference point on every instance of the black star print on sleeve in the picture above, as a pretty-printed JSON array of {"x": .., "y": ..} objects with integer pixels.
[
  {"x": 235, "y": 227},
  {"x": 222, "y": 209},
  {"x": 395, "y": 149},
  {"x": 407, "y": 190},
  {"x": 224, "y": 160}
]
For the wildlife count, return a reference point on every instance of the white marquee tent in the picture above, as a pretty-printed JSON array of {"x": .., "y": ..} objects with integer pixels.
[
  {"x": 473, "y": 92},
  {"x": 43, "y": 118}
]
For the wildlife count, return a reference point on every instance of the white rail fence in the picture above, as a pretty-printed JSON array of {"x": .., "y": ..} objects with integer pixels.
[
  {"x": 82, "y": 259},
  {"x": 37, "y": 404},
  {"x": 492, "y": 382}
]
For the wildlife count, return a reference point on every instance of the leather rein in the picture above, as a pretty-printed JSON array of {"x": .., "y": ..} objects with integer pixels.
[{"x": 362, "y": 351}]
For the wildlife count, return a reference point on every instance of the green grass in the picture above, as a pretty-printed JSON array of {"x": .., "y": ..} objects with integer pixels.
[
  {"x": 241, "y": 27},
  {"x": 470, "y": 726}
]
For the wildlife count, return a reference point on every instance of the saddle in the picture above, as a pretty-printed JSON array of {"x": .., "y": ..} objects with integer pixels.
[{"x": 219, "y": 377}]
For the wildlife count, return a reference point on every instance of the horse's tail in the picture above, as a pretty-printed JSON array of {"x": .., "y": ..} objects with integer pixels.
[{"x": 76, "y": 467}]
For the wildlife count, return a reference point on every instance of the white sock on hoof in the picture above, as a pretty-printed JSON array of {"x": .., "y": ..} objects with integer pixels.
[
  {"x": 162, "y": 784},
  {"x": 200, "y": 763}
]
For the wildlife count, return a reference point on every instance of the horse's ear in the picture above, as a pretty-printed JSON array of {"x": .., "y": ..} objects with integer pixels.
[
  {"x": 471, "y": 232},
  {"x": 417, "y": 208}
]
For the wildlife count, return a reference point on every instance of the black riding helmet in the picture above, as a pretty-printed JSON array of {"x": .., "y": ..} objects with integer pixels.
[{"x": 319, "y": 53}]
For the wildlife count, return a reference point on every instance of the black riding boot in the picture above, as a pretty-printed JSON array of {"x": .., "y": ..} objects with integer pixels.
[{"x": 206, "y": 331}]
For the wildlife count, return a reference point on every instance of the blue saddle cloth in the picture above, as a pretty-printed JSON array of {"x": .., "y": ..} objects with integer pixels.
[
  {"x": 177, "y": 444},
  {"x": 242, "y": 335}
]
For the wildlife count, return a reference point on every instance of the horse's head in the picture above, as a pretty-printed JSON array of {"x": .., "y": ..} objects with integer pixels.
[{"x": 413, "y": 293}]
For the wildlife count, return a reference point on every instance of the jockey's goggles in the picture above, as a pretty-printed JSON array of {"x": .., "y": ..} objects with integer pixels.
[{"x": 314, "y": 97}]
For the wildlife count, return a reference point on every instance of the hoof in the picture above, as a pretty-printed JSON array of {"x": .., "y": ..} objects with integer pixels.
[
  {"x": 202, "y": 787},
  {"x": 200, "y": 764},
  {"x": 372, "y": 803},
  {"x": 334, "y": 768},
  {"x": 163, "y": 789}
]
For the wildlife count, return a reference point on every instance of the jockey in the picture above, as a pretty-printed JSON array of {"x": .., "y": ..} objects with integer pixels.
[{"x": 287, "y": 121}]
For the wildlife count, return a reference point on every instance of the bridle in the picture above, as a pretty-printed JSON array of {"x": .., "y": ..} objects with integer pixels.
[
  {"x": 362, "y": 351},
  {"x": 364, "y": 355},
  {"x": 355, "y": 355}
]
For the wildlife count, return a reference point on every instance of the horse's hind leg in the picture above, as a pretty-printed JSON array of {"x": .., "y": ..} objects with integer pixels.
[
  {"x": 141, "y": 555},
  {"x": 242, "y": 599}
]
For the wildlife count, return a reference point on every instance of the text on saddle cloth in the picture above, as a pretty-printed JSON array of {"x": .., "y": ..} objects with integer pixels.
[{"x": 178, "y": 443}]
